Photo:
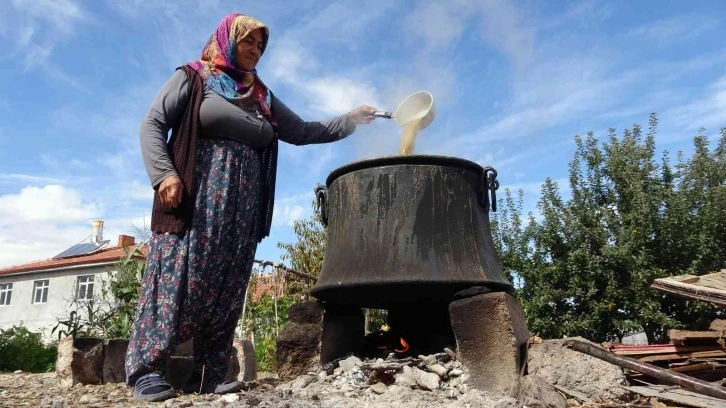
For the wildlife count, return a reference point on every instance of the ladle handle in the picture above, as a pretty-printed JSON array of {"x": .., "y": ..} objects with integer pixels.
[
  {"x": 381, "y": 114},
  {"x": 321, "y": 193}
]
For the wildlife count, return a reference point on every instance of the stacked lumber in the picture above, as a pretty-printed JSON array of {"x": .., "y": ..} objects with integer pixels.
[
  {"x": 707, "y": 288},
  {"x": 700, "y": 354}
]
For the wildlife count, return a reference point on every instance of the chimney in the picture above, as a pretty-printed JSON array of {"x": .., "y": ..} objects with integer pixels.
[
  {"x": 125, "y": 240},
  {"x": 97, "y": 235}
]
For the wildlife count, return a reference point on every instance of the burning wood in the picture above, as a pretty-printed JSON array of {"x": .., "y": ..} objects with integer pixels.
[{"x": 384, "y": 341}]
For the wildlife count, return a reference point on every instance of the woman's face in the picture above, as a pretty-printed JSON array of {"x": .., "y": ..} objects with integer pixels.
[{"x": 249, "y": 50}]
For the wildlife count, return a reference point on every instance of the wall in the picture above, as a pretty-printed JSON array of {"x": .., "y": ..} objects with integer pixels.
[{"x": 43, "y": 317}]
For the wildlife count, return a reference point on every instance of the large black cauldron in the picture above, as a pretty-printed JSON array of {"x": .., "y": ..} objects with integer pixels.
[{"x": 407, "y": 229}]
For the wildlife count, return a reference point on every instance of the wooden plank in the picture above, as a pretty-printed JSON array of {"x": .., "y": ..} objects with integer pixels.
[
  {"x": 693, "y": 367},
  {"x": 683, "y": 356},
  {"x": 681, "y": 337},
  {"x": 713, "y": 296},
  {"x": 679, "y": 396},
  {"x": 661, "y": 349}
]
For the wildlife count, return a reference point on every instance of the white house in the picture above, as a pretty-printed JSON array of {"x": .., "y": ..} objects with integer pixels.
[{"x": 36, "y": 294}]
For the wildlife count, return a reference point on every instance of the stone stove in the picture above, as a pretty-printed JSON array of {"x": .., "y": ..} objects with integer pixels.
[{"x": 411, "y": 235}]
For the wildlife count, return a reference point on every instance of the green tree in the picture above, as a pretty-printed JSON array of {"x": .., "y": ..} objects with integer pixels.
[{"x": 585, "y": 265}]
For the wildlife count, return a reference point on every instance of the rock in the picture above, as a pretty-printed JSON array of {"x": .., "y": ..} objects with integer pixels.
[
  {"x": 173, "y": 403},
  {"x": 413, "y": 377},
  {"x": 59, "y": 403},
  {"x": 428, "y": 381},
  {"x": 508, "y": 403},
  {"x": 559, "y": 365},
  {"x": 406, "y": 378},
  {"x": 302, "y": 382},
  {"x": 456, "y": 372},
  {"x": 89, "y": 399},
  {"x": 428, "y": 360},
  {"x": 534, "y": 392},
  {"x": 450, "y": 352},
  {"x": 228, "y": 399},
  {"x": 17, "y": 371},
  {"x": 379, "y": 388},
  {"x": 438, "y": 369},
  {"x": 350, "y": 363},
  {"x": 573, "y": 403}
]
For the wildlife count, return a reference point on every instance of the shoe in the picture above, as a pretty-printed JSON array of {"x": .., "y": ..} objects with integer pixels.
[
  {"x": 152, "y": 388},
  {"x": 213, "y": 384}
]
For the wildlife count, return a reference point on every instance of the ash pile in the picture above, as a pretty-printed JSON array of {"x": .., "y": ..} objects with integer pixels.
[{"x": 437, "y": 379}]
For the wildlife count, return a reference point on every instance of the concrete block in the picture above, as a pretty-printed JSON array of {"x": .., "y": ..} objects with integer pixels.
[
  {"x": 114, "y": 358},
  {"x": 316, "y": 334},
  {"x": 246, "y": 360},
  {"x": 491, "y": 339},
  {"x": 79, "y": 361},
  {"x": 343, "y": 331}
]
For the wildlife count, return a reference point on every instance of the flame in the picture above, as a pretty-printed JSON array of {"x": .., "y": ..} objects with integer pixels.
[{"x": 405, "y": 346}]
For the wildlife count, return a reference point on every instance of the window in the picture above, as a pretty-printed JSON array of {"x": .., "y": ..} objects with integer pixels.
[
  {"x": 6, "y": 291},
  {"x": 84, "y": 287},
  {"x": 40, "y": 291}
]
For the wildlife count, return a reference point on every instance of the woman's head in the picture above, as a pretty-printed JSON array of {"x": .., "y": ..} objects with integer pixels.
[
  {"x": 229, "y": 59},
  {"x": 249, "y": 49},
  {"x": 237, "y": 44}
]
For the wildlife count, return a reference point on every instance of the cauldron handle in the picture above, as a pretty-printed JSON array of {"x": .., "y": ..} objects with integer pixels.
[
  {"x": 490, "y": 186},
  {"x": 321, "y": 193}
]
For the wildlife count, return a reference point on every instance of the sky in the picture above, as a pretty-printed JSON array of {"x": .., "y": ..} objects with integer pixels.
[{"x": 513, "y": 83}]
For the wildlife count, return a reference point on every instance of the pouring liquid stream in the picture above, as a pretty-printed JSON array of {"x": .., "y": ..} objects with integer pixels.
[{"x": 408, "y": 138}]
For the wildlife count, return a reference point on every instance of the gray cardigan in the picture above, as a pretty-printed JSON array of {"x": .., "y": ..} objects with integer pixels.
[{"x": 221, "y": 119}]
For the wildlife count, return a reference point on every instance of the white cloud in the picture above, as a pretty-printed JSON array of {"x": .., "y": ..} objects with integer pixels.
[
  {"x": 285, "y": 215},
  {"x": 54, "y": 203},
  {"x": 38, "y": 222},
  {"x": 680, "y": 28},
  {"x": 709, "y": 110},
  {"x": 29, "y": 179},
  {"x": 337, "y": 95},
  {"x": 291, "y": 208},
  {"x": 42, "y": 25}
]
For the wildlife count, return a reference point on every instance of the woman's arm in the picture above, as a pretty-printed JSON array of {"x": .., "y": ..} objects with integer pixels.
[
  {"x": 167, "y": 109},
  {"x": 294, "y": 130}
]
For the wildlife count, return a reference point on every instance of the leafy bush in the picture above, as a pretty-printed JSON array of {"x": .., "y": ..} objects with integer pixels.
[
  {"x": 21, "y": 349},
  {"x": 111, "y": 314}
]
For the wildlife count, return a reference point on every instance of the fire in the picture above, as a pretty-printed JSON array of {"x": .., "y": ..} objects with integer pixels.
[{"x": 405, "y": 346}]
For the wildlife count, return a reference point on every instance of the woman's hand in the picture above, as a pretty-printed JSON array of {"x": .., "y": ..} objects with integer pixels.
[
  {"x": 170, "y": 191},
  {"x": 362, "y": 115}
]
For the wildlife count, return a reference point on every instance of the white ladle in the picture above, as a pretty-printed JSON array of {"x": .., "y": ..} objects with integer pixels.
[{"x": 419, "y": 105}]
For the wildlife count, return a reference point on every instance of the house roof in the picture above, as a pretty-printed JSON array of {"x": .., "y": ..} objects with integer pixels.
[{"x": 106, "y": 255}]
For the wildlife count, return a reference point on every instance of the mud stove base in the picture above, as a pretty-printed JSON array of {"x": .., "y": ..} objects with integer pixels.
[{"x": 487, "y": 330}]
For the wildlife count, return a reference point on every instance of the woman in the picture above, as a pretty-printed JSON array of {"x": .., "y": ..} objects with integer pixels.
[{"x": 214, "y": 183}]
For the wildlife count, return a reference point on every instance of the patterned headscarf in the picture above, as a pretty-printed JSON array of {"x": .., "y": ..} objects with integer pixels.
[{"x": 220, "y": 71}]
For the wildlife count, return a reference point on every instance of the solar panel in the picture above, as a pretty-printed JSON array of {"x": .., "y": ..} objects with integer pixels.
[{"x": 81, "y": 249}]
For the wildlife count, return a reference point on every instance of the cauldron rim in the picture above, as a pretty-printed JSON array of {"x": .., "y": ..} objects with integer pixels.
[{"x": 414, "y": 159}]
